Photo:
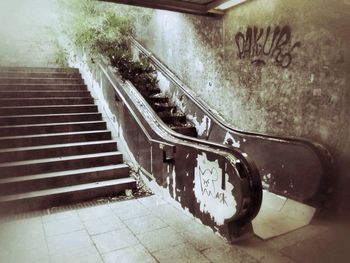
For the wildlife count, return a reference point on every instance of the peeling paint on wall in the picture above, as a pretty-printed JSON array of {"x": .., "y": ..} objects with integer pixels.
[
  {"x": 173, "y": 174},
  {"x": 219, "y": 203},
  {"x": 163, "y": 83},
  {"x": 201, "y": 127},
  {"x": 266, "y": 180},
  {"x": 231, "y": 141},
  {"x": 307, "y": 99}
]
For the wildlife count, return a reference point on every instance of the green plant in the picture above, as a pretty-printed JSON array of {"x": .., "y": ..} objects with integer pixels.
[
  {"x": 104, "y": 29},
  {"x": 60, "y": 56}
]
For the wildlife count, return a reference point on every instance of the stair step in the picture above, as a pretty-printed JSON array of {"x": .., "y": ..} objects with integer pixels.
[
  {"x": 163, "y": 107},
  {"x": 20, "y": 184},
  {"x": 56, "y": 150},
  {"x": 63, "y": 195},
  {"x": 32, "y": 110},
  {"x": 41, "y": 80},
  {"x": 30, "y": 167},
  {"x": 49, "y": 118},
  {"x": 38, "y": 69},
  {"x": 38, "y": 87},
  {"x": 157, "y": 98},
  {"x": 149, "y": 92},
  {"x": 54, "y": 138},
  {"x": 45, "y": 101},
  {"x": 23, "y": 74},
  {"x": 54, "y": 146},
  {"x": 189, "y": 131},
  {"x": 51, "y": 128},
  {"x": 167, "y": 117},
  {"x": 43, "y": 93}
]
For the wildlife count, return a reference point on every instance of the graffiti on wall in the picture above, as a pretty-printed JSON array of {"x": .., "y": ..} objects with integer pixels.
[
  {"x": 258, "y": 44},
  {"x": 213, "y": 198}
]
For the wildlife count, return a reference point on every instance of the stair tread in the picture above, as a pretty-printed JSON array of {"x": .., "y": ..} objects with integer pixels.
[
  {"x": 52, "y": 146},
  {"x": 47, "y": 106},
  {"x": 44, "y": 91},
  {"x": 49, "y": 115},
  {"x": 66, "y": 189},
  {"x": 61, "y": 173},
  {"x": 16, "y": 69},
  {"x": 36, "y": 78},
  {"x": 37, "y": 183},
  {"x": 51, "y": 134},
  {"x": 33, "y": 85},
  {"x": 50, "y": 124},
  {"x": 46, "y": 98},
  {"x": 62, "y": 158}
]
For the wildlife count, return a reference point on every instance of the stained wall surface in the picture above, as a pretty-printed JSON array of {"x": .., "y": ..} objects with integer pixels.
[
  {"x": 268, "y": 66},
  {"x": 28, "y": 32}
]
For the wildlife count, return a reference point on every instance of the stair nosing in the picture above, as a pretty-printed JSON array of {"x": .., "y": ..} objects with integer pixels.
[
  {"x": 50, "y": 115},
  {"x": 66, "y": 189},
  {"x": 61, "y": 158},
  {"x": 46, "y": 98},
  {"x": 51, "y": 134},
  {"x": 52, "y": 146},
  {"x": 43, "y": 91},
  {"x": 29, "y": 136},
  {"x": 47, "y": 106},
  {"x": 32, "y": 177},
  {"x": 42, "y": 84},
  {"x": 50, "y": 124},
  {"x": 38, "y": 78}
]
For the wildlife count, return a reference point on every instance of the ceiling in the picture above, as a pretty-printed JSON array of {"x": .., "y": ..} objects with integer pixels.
[{"x": 198, "y": 7}]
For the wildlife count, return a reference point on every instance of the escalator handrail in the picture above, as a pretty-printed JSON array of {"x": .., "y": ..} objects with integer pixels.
[
  {"x": 317, "y": 148},
  {"x": 251, "y": 172}
]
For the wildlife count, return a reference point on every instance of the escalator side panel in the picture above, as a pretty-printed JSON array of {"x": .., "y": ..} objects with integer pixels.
[{"x": 295, "y": 168}]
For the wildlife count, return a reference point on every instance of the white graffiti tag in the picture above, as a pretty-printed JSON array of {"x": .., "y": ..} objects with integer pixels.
[{"x": 209, "y": 192}]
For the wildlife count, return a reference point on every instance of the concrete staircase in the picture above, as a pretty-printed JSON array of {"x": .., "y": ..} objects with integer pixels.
[{"x": 54, "y": 146}]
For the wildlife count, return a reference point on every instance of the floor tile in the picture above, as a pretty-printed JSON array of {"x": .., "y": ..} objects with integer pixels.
[
  {"x": 69, "y": 243},
  {"x": 60, "y": 215},
  {"x": 160, "y": 239},
  {"x": 103, "y": 225},
  {"x": 144, "y": 224},
  {"x": 95, "y": 212},
  {"x": 228, "y": 254},
  {"x": 23, "y": 235},
  {"x": 129, "y": 209},
  {"x": 24, "y": 257},
  {"x": 200, "y": 236},
  {"x": 184, "y": 253},
  {"x": 62, "y": 226},
  {"x": 134, "y": 254},
  {"x": 172, "y": 216},
  {"x": 85, "y": 255},
  {"x": 114, "y": 240},
  {"x": 152, "y": 202},
  {"x": 329, "y": 246},
  {"x": 258, "y": 249},
  {"x": 296, "y": 236}
]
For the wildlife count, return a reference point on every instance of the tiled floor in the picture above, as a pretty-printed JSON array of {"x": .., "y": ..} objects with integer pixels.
[{"x": 149, "y": 230}]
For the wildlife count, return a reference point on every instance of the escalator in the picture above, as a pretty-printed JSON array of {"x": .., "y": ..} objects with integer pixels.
[{"x": 218, "y": 174}]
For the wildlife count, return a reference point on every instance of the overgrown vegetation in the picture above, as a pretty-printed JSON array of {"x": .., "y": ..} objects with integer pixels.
[
  {"x": 104, "y": 29},
  {"x": 60, "y": 56}
]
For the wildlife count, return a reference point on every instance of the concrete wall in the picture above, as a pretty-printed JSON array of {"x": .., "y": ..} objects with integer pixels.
[
  {"x": 27, "y": 32},
  {"x": 299, "y": 87}
]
